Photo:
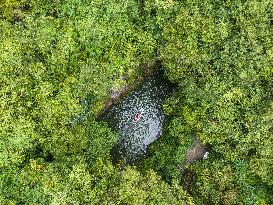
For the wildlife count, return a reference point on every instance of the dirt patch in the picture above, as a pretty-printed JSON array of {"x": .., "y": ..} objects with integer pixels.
[{"x": 198, "y": 151}]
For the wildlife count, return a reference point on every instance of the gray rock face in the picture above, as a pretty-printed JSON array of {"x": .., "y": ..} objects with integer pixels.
[{"x": 138, "y": 119}]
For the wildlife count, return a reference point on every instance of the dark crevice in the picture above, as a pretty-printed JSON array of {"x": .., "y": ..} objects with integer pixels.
[{"x": 252, "y": 152}]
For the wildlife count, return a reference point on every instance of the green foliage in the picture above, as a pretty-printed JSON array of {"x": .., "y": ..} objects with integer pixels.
[
  {"x": 11, "y": 8},
  {"x": 56, "y": 183},
  {"x": 52, "y": 57},
  {"x": 101, "y": 140},
  {"x": 54, "y": 54},
  {"x": 221, "y": 55},
  {"x": 230, "y": 183},
  {"x": 55, "y": 58}
]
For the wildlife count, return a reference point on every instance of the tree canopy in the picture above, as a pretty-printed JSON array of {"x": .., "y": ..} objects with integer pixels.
[{"x": 59, "y": 59}]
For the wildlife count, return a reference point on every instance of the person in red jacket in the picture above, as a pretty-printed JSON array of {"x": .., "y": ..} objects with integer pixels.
[{"x": 137, "y": 117}]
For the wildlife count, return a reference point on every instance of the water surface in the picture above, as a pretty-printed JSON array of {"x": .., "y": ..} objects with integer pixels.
[{"x": 138, "y": 118}]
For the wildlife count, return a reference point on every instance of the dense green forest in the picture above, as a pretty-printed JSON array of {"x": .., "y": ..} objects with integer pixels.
[{"x": 57, "y": 54}]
